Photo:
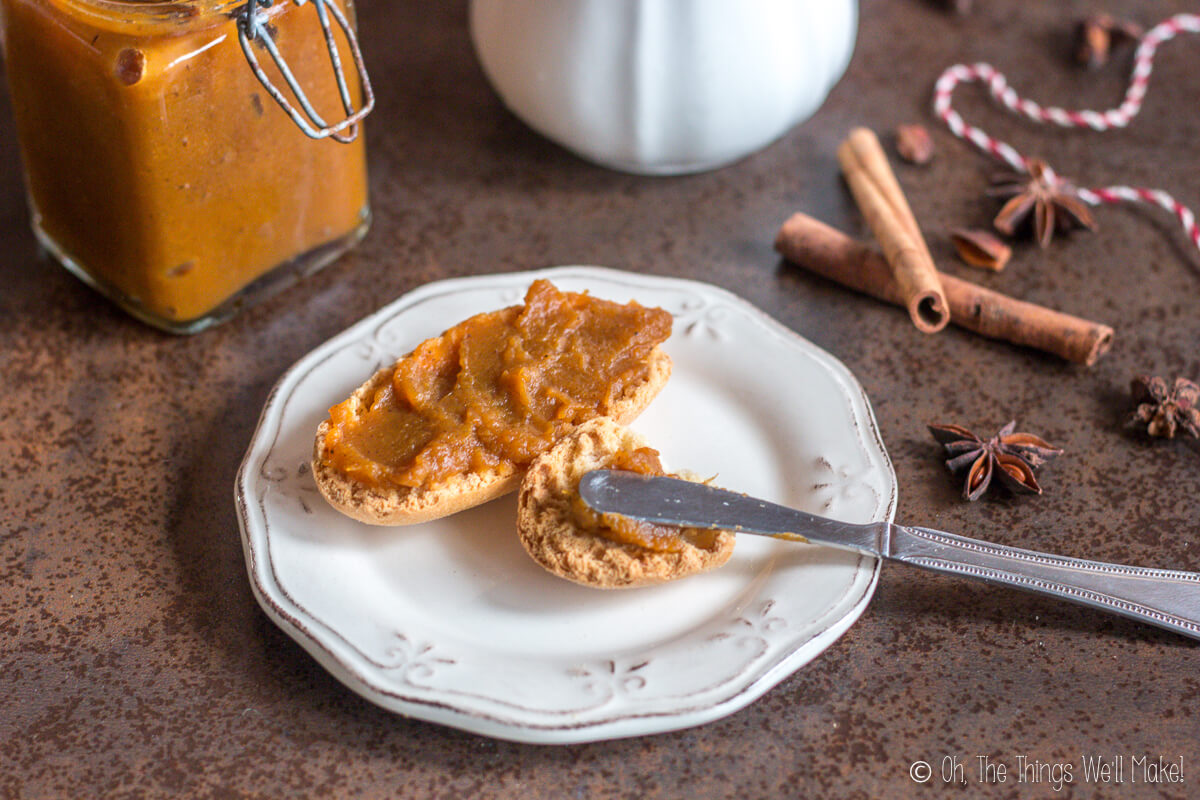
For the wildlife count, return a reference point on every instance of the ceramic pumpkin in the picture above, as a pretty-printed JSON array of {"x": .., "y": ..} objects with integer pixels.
[{"x": 663, "y": 86}]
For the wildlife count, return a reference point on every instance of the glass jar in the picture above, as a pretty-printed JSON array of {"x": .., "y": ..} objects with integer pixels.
[{"x": 162, "y": 170}]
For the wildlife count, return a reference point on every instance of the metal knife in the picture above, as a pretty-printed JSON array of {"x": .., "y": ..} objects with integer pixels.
[{"x": 1167, "y": 598}]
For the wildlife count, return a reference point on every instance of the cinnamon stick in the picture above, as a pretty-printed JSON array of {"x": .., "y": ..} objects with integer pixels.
[
  {"x": 815, "y": 246},
  {"x": 868, "y": 152},
  {"x": 883, "y": 205}
]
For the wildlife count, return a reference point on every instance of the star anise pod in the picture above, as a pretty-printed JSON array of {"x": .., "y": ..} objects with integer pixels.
[
  {"x": 1097, "y": 33},
  {"x": 1164, "y": 409},
  {"x": 980, "y": 248},
  {"x": 1008, "y": 456},
  {"x": 914, "y": 144},
  {"x": 1051, "y": 199}
]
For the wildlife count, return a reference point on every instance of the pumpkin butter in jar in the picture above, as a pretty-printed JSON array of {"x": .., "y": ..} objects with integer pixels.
[{"x": 159, "y": 167}]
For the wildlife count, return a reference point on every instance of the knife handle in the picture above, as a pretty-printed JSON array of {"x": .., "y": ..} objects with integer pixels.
[{"x": 1166, "y": 598}]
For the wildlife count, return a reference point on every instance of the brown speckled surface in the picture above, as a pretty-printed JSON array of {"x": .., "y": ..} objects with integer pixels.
[{"x": 135, "y": 662}]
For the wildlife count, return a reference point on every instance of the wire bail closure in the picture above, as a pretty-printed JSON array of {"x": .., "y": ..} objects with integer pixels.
[{"x": 252, "y": 26}]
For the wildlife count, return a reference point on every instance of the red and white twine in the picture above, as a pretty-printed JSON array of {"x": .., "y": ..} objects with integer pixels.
[{"x": 1118, "y": 117}]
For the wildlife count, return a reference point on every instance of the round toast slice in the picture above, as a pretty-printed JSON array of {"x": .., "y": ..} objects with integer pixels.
[
  {"x": 399, "y": 505},
  {"x": 551, "y": 535}
]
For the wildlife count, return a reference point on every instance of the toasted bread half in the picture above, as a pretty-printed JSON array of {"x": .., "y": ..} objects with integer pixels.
[
  {"x": 398, "y": 505},
  {"x": 550, "y": 533}
]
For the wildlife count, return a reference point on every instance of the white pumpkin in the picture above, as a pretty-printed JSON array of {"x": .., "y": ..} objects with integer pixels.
[{"x": 663, "y": 86}]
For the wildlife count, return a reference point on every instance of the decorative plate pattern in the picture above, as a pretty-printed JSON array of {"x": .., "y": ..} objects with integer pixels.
[{"x": 453, "y": 623}]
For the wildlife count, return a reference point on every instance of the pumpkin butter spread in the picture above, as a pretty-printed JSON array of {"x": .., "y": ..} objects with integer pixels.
[
  {"x": 605, "y": 551},
  {"x": 626, "y": 530},
  {"x": 494, "y": 391}
]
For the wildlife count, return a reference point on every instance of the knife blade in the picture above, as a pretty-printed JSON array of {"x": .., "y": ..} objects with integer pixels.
[{"x": 1166, "y": 598}]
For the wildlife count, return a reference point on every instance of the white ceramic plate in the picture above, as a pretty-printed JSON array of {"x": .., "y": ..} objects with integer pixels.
[{"x": 452, "y": 622}]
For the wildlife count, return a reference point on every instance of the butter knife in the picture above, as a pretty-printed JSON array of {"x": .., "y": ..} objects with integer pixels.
[{"x": 1167, "y": 598}]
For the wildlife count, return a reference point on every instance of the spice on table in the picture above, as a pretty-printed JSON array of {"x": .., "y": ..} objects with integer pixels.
[
  {"x": 1095, "y": 35},
  {"x": 1009, "y": 457},
  {"x": 818, "y": 248},
  {"x": 914, "y": 144},
  {"x": 1050, "y": 199},
  {"x": 980, "y": 248},
  {"x": 1165, "y": 409},
  {"x": 883, "y": 205}
]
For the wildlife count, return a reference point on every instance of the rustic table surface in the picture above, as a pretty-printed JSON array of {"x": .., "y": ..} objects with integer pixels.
[{"x": 135, "y": 661}]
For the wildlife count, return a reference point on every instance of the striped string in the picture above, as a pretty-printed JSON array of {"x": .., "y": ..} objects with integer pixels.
[{"x": 1119, "y": 117}]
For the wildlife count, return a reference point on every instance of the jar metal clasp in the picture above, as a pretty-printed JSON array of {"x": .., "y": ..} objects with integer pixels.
[{"x": 252, "y": 26}]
